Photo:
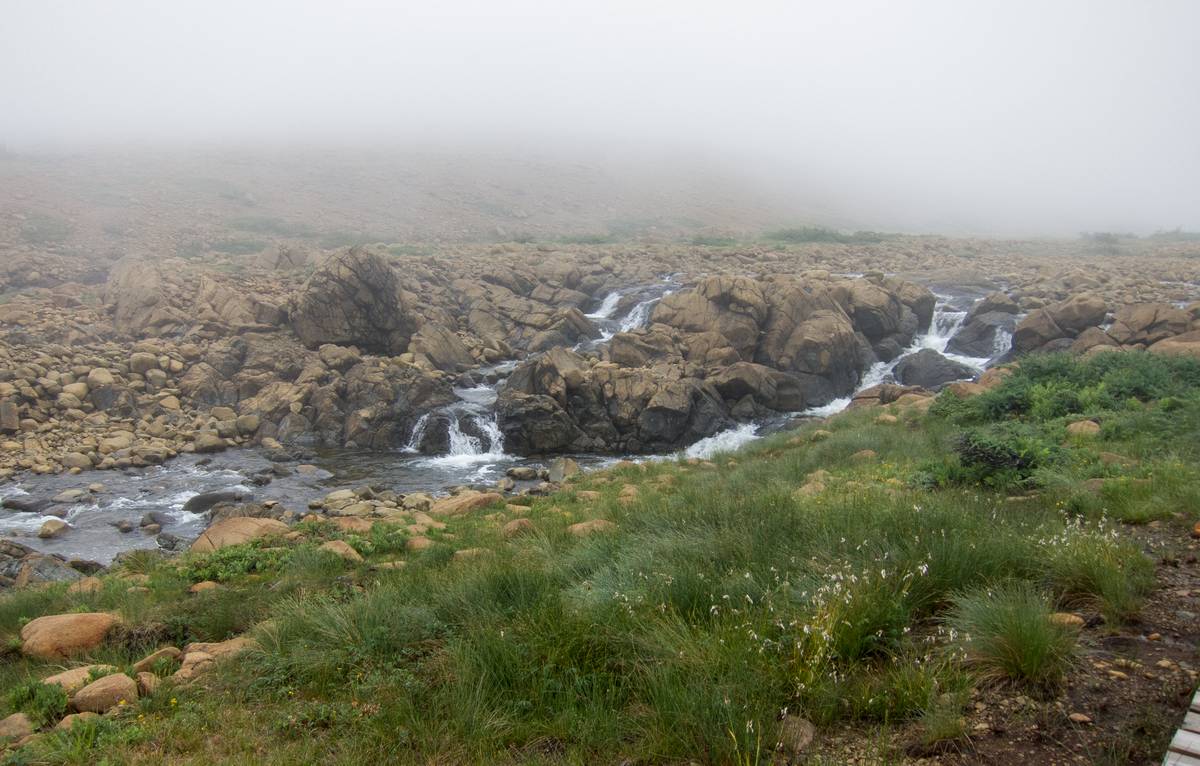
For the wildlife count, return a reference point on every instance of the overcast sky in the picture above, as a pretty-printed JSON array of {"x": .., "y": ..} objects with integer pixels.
[{"x": 1005, "y": 115}]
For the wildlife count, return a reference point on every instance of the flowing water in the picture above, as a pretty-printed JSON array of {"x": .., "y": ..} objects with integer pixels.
[{"x": 474, "y": 454}]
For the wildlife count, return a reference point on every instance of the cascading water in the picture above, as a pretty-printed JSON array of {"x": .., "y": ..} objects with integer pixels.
[
  {"x": 476, "y": 405},
  {"x": 418, "y": 433},
  {"x": 947, "y": 320},
  {"x": 607, "y": 306},
  {"x": 640, "y": 314}
]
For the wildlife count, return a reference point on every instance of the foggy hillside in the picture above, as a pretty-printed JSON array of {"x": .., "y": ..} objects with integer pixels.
[{"x": 385, "y": 195}]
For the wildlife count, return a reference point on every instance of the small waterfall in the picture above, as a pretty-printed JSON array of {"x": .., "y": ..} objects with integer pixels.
[
  {"x": 639, "y": 315},
  {"x": 723, "y": 441},
  {"x": 946, "y": 321},
  {"x": 418, "y": 433},
  {"x": 477, "y": 406},
  {"x": 943, "y": 327},
  {"x": 607, "y": 307},
  {"x": 1001, "y": 343}
]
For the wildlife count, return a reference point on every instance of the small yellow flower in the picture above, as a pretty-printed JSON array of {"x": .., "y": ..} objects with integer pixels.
[{"x": 174, "y": 701}]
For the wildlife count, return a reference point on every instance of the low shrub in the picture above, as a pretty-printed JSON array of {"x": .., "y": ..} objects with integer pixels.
[{"x": 42, "y": 703}]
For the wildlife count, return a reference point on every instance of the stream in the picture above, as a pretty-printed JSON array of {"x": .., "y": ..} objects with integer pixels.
[{"x": 473, "y": 454}]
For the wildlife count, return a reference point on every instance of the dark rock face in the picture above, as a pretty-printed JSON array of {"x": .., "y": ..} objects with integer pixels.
[
  {"x": 977, "y": 337},
  {"x": 930, "y": 370},
  {"x": 353, "y": 298},
  {"x": 557, "y": 403}
]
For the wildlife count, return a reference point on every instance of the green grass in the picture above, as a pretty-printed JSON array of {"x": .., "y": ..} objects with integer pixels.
[{"x": 723, "y": 597}]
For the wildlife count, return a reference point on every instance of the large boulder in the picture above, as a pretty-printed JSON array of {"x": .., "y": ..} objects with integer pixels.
[
  {"x": 1078, "y": 313},
  {"x": 1187, "y": 344},
  {"x": 465, "y": 502},
  {"x": 1034, "y": 331},
  {"x": 104, "y": 694},
  {"x": 983, "y": 335},
  {"x": 239, "y": 529},
  {"x": 441, "y": 348},
  {"x": 929, "y": 369},
  {"x": 993, "y": 303},
  {"x": 58, "y": 636},
  {"x": 808, "y": 335},
  {"x": 1147, "y": 323},
  {"x": 353, "y": 298},
  {"x": 733, "y": 307},
  {"x": 138, "y": 296},
  {"x": 1053, "y": 327}
]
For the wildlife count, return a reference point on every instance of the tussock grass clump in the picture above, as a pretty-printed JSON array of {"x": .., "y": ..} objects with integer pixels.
[{"x": 1007, "y": 634}]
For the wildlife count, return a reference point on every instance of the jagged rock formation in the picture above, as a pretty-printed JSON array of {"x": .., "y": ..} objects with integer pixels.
[{"x": 731, "y": 348}]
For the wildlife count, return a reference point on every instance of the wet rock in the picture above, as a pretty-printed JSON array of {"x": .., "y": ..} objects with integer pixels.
[
  {"x": 978, "y": 337},
  {"x": 209, "y": 442},
  {"x": 53, "y": 528},
  {"x": 930, "y": 370},
  {"x": 561, "y": 468},
  {"x": 206, "y": 500},
  {"x": 26, "y": 504},
  {"x": 992, "y": 303}
]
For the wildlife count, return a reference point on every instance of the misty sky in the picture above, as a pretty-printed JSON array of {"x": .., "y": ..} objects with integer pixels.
[{"x": 1005, "y": 116}]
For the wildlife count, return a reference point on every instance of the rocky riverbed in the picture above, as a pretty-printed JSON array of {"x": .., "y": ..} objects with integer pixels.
[{"x": 302, "y": 371}]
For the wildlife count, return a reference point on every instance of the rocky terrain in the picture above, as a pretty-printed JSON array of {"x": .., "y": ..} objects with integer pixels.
[{"x": 123, "y": 348}]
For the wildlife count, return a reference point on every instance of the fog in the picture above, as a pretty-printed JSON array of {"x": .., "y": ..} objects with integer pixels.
[{"x": 988, "y": 117}]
